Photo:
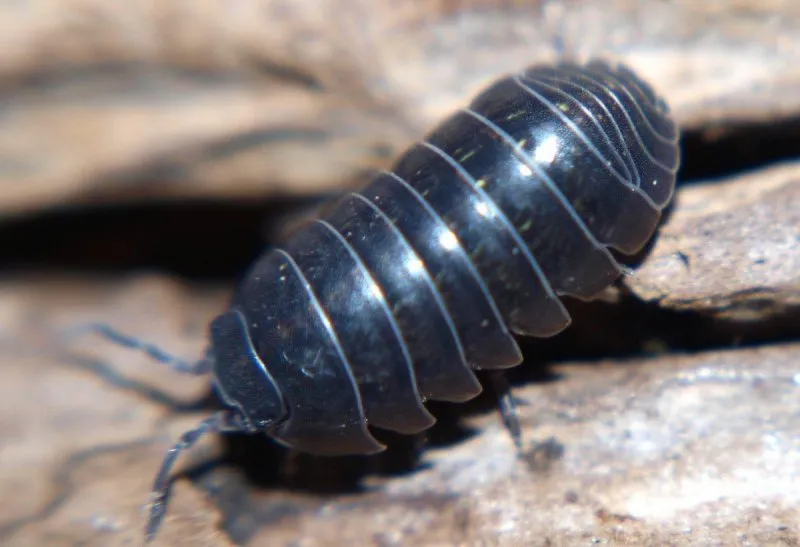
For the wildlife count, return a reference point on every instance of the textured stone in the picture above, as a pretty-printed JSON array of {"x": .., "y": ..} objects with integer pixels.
[
  {"x": 167, "y": 100},
  {"x": 731, "y": 248}
]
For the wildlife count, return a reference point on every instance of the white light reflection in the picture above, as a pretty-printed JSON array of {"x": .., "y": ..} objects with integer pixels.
[
  {"x": 524, "y": 170},
  {"x": 546, "y": 150},
  {"x": 482, "y": 209},
  {"x": 376, "y": 291},
  {"x": 448, "y": 240},
  {"x": 414, "y": 265}
]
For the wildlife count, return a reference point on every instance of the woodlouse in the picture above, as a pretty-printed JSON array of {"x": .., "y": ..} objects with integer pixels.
[{"x": 396, "y": 294}]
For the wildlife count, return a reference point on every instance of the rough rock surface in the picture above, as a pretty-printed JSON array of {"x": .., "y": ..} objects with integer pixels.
[
  {"x": 126, "y": 101},
  {"x": 731, "y": 248},
  {"x": 668, "y": 414}
]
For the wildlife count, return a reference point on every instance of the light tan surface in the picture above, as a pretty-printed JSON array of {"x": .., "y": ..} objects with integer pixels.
[
  {"x": 732, "y": 248},
  {"x": 150, "y": 100}
]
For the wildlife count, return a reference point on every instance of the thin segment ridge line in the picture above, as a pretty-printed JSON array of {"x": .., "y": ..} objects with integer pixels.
[
  {"x": 630, "y": 87},
  {"x": 636, "y": 133},
  {"x": 636, "y": 178},
  {"x": 633, "y": 143},
  {"x": 467, "y": 260},
  {"x": 384, "y": 307},
  {"x": 580, "y": 135},
  {"x": 328, "y": 325},
  {"x": 523, "y": 247},
  {"x": 626, "y": 179},
  {"x": 524, "y": 158},
  {"x": 251, "y": 350},
  {"x": 619, "y": 84},
  {"x": 670, "y": 170},
  {"x": 428, "y": 279}
]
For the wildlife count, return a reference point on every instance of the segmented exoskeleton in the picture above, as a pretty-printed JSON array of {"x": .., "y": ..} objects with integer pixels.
[{"x": 397, "y": 293}]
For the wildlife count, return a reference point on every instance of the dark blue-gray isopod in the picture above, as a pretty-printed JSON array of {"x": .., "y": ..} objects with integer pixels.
[{"x": 395, "y": 294}]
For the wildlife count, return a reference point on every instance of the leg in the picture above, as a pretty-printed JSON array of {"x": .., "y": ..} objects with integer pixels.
[
  {"x": 225, "y": 421},
  {"x": 508, "y": 408},
  {"x": 177, "y": 364}
]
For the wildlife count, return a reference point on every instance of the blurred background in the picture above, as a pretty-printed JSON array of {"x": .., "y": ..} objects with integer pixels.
[{"x": 150, "y": 150}]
